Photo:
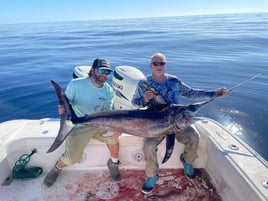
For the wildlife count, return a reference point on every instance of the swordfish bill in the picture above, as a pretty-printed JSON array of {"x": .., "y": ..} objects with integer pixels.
[{"x": 143, "y": 123}]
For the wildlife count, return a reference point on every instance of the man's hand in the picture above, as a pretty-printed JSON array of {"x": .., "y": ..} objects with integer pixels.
[
  {"x": 61, "y": 109},
  {"x": 221, "y": 92},
  {"x": 148, "y": 95},
  {"x": 116, "y": 134}
]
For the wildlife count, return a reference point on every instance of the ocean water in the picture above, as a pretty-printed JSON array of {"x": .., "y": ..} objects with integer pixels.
[{"x": 206, "y": 51}]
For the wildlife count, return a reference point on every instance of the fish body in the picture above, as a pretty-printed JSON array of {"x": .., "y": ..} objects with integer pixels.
[
  {"x": 144, "y": 123},
  {"x": 139, "y": 122}
]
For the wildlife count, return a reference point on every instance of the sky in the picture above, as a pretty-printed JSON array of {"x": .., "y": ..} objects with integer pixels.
[{"x": 24, "y": 11}]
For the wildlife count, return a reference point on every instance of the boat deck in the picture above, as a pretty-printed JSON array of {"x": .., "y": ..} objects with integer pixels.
[
  {"x": 88, "y": 185},
  {"x": 228, "y": 161}
]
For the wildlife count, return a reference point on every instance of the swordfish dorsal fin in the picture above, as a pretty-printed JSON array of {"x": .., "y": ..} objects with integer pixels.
[{"x": 65, "y": 124}]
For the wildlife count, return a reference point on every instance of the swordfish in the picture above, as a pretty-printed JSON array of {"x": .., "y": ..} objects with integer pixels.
[{"x": 140, "y": 122}]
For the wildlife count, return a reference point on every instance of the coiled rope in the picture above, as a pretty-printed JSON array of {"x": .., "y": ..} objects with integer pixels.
[{"x": 20, "y": 171}]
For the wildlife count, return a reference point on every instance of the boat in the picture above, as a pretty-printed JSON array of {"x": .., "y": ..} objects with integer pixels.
[{"x": 227, "y": 169}]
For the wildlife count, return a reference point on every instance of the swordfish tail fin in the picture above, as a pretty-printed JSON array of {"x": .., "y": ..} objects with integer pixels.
[
  {"x": 69, "y": 113},
  {"x": 65, "y": 118}
]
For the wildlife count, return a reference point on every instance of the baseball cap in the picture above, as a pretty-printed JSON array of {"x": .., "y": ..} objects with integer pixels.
[{"x": 101, "y": 63}]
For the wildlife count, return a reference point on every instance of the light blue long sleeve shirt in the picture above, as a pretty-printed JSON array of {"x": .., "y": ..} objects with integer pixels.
[{"x": 172, "y": 89}]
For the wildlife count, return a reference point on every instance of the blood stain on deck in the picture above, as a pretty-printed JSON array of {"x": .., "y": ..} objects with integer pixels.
[{"x": 171, "y": 185}]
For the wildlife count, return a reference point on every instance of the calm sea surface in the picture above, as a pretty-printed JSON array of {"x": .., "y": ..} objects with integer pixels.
[{"x": 205, "y": 51}]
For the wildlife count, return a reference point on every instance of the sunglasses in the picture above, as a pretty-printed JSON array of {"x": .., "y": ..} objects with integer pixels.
[
  {"x": 159, "y": 63},
  {"x": 103, "y": 71}
]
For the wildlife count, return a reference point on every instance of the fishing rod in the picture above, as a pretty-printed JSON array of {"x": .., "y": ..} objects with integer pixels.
[{"x": 243, "y": 82}]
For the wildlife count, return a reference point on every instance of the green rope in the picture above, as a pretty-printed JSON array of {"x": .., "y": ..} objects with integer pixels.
[{"x": 20, "y": 171}]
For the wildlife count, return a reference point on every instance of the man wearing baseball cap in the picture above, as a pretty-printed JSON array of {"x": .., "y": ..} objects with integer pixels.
[
  {"x": 88, "y": 95},
  {"x": 102, "y": 63}
]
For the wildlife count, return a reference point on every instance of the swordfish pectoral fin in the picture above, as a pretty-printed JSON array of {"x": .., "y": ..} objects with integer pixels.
[
  {"x": 170, "y": 141},
  {"x": 65, "y": 124}
]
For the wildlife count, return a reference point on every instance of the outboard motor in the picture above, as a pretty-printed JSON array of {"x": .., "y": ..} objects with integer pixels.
[
  {"x": 125, "y": 80},
  {"x": 81, "y": 71}
]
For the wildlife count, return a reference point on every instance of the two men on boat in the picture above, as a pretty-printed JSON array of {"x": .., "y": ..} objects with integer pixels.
[{"x": 93, "y": 94}]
